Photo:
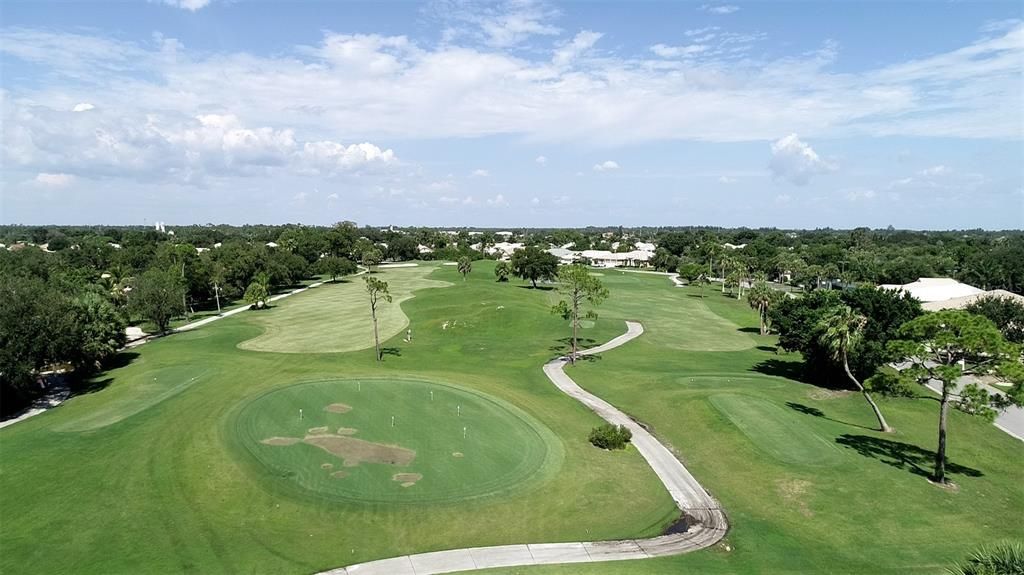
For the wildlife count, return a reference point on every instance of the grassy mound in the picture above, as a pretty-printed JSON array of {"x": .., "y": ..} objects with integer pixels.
[{"x": 338, "y": 318}]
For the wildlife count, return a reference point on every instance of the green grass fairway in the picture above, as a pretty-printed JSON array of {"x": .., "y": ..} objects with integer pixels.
[
  {"x": 335, "y": 321},
  {"x": 144, "y": 389},
  {"x": 132, "y": 478},
  {"x": 680, "y": 322},
  {"x": 465, "y": 444},
  {"x": 779, "y": 432}
]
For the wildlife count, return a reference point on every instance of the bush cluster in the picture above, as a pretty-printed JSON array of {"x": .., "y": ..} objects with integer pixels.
[{"x": 610, "y": 436}]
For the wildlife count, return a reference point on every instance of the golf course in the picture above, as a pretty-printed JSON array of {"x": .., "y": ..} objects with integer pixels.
[{"x": 272, "y": 441}]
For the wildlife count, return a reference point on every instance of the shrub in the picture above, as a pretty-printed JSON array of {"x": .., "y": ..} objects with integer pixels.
[
  {"x": 610, "y": 436},
  {"x": 1000, "y": 559}
]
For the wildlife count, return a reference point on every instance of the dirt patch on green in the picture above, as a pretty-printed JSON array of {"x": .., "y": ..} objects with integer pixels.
[
  {"x": 794, "y": 493},
  {"x": 339, "y": 474},
  {"x": 326, "y": 465},
  {"x": 407, "y": 479},
  {"x": 347, "y": 431},
  {"x": 317, "y": 430},
  {"x": 280, "y": 441},
  {"x": 338, "y": 408},
  {"x": 355, "y": 451},
  {"x": 824, "y": 394}
]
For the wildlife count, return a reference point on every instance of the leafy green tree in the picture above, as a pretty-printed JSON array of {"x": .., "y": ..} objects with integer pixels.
[
  {"x": 841, "y": 330},
  {"x": 502, "y": 270},
  {"x": 578, "y": 288},
  {"x": 378, "y": 291},
  {"x": 465, "y": 266},
  {"x": 217, "y": 279},
  {"x": 336, "y": 267},
  {"x": 702, "y": 282},
  {"x": 258, "y": 292},
  {"x": 1005, "y": 311},
  {"x": 948, "y": 345},
  {"x": 761, "y": 297},
  {"x": 158, "y": 296},
  {"x": 533, "y": 263},
  {"x": 371, "y": 257},
  {"x": 99, "y": 332}
]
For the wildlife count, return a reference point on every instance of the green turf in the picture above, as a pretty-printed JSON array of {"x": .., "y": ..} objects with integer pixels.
[
  {"x": 164, "y": 483},
  {"x": 166, "y": 487},
  {"x": 746, "y": 431},
  {"x": 334, "y": 321},
  {"x": 466, "y": 444},
  {"x": 779, "y": 432}
]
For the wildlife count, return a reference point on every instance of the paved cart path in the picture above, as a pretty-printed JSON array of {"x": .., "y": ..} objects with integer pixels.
[{"x": 707, "y": 523}]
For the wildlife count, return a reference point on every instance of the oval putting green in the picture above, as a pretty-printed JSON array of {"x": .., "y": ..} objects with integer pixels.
[{"x": 394, "y": 440}]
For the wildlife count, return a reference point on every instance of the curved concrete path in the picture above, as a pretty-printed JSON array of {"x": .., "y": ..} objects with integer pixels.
[{"x": 707, "y": 523}]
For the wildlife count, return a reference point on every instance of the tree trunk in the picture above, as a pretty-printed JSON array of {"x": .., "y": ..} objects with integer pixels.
[
  {"x": 575, "y": 323},
  {"x": 940, "y": 454},
  {"x": 761, "y": 310},
  {"x": 882, "y": 424},
  {"x": 376, "y": 336},
  {"x": 534, "y": 280}
]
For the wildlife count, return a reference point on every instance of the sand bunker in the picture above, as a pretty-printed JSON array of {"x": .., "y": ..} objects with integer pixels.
[
  {"x": 326, "y": 465},
  {"x": 355, "y": 451},
  {"x": 347, "y": 431},
  {"x": 317, "y": 430},
  {"x": 339, "y": 474},
  {"x": 407, "y": 479},
  {"x": 338, "y": 408},
  {"x": 280, "y": 441},
  {"x": 457, "y": 454}
]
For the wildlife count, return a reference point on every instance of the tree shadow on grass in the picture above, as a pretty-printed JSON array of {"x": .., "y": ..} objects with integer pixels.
[
  {"x": 901, "y": 455},
  {"x": 393, "y": 351},
  {"x": 756, "y": 330},
  {"x": 539, "y": 288},
  {"x": 808, "y": 410},
  {"x": 789, "y": 369},
  {"x": 770, "y": 348}
]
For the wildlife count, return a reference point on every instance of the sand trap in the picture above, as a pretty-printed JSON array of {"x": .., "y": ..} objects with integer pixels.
[
  {"x": 339, "y": 474},
  {"x": 355, "y": 451},
  {"x": 338, "y": 408},
  {"x": 317, "y": 430},
  {"x": 386, "y": 266},
  {"x": 457, "y": 454},
  {"x": 326, "y": 465},
  {"x": 347, "y": 431},
  {"x": 280, "y": 441},
  {"x": 406, "y": 479}
]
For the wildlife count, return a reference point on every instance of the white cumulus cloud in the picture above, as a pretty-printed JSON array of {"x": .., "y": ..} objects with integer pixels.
[
  {"x": 481, "y": 173},
  {"x": 190, "y": 5},
  {"x": 54, "y": 180},
  {"x": 606, "y": 166},
  {"x": 719, "y": 8},
  {"x": 726, "y": 180},
  {"x": 541, "y": 160},
  {"x": 796, "y": 162},
  {"x": 82, "y": 107}
]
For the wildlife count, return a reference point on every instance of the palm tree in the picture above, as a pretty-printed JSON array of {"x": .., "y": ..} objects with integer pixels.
[
  {"x": 761, "y": 296},
  {"x": 465, "y": 266},
  {"x": 841, "y": 330},
  {"x": 702, "y": 280}
]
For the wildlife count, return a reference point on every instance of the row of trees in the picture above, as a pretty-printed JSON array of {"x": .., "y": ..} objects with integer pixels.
[{"x": 856, "y": 335}]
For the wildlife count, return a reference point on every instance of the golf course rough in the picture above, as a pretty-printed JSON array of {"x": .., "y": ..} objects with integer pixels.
[{"x": 395, "y": 428}]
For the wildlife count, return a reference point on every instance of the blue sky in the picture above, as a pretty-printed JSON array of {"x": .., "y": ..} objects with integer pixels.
[{"x": 521, "y": 113}]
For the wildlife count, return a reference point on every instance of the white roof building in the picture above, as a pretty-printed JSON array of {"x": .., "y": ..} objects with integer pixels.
[
  {"x": 935, "y": 289},
  {"x": 964, "y": 301}
]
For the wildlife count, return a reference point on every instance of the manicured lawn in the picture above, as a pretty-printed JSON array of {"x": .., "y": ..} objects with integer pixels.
[
  {"x": 808, "y": 485},
  {"x": 335, "y": 320},
  {"x": 157, "y": 472},
  {"x": 147, "y": 476}
]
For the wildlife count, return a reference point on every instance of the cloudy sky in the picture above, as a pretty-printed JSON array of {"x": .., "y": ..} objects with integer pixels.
[{"x": 519, "y": 113}]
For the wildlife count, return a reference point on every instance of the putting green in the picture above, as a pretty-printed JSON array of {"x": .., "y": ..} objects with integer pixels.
[
  {"x": 444, "y": 443},
  {"x": 337, "y": 319},
  {"x": 135, "y": 394},
  {"x": 775, "y": 431}
]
